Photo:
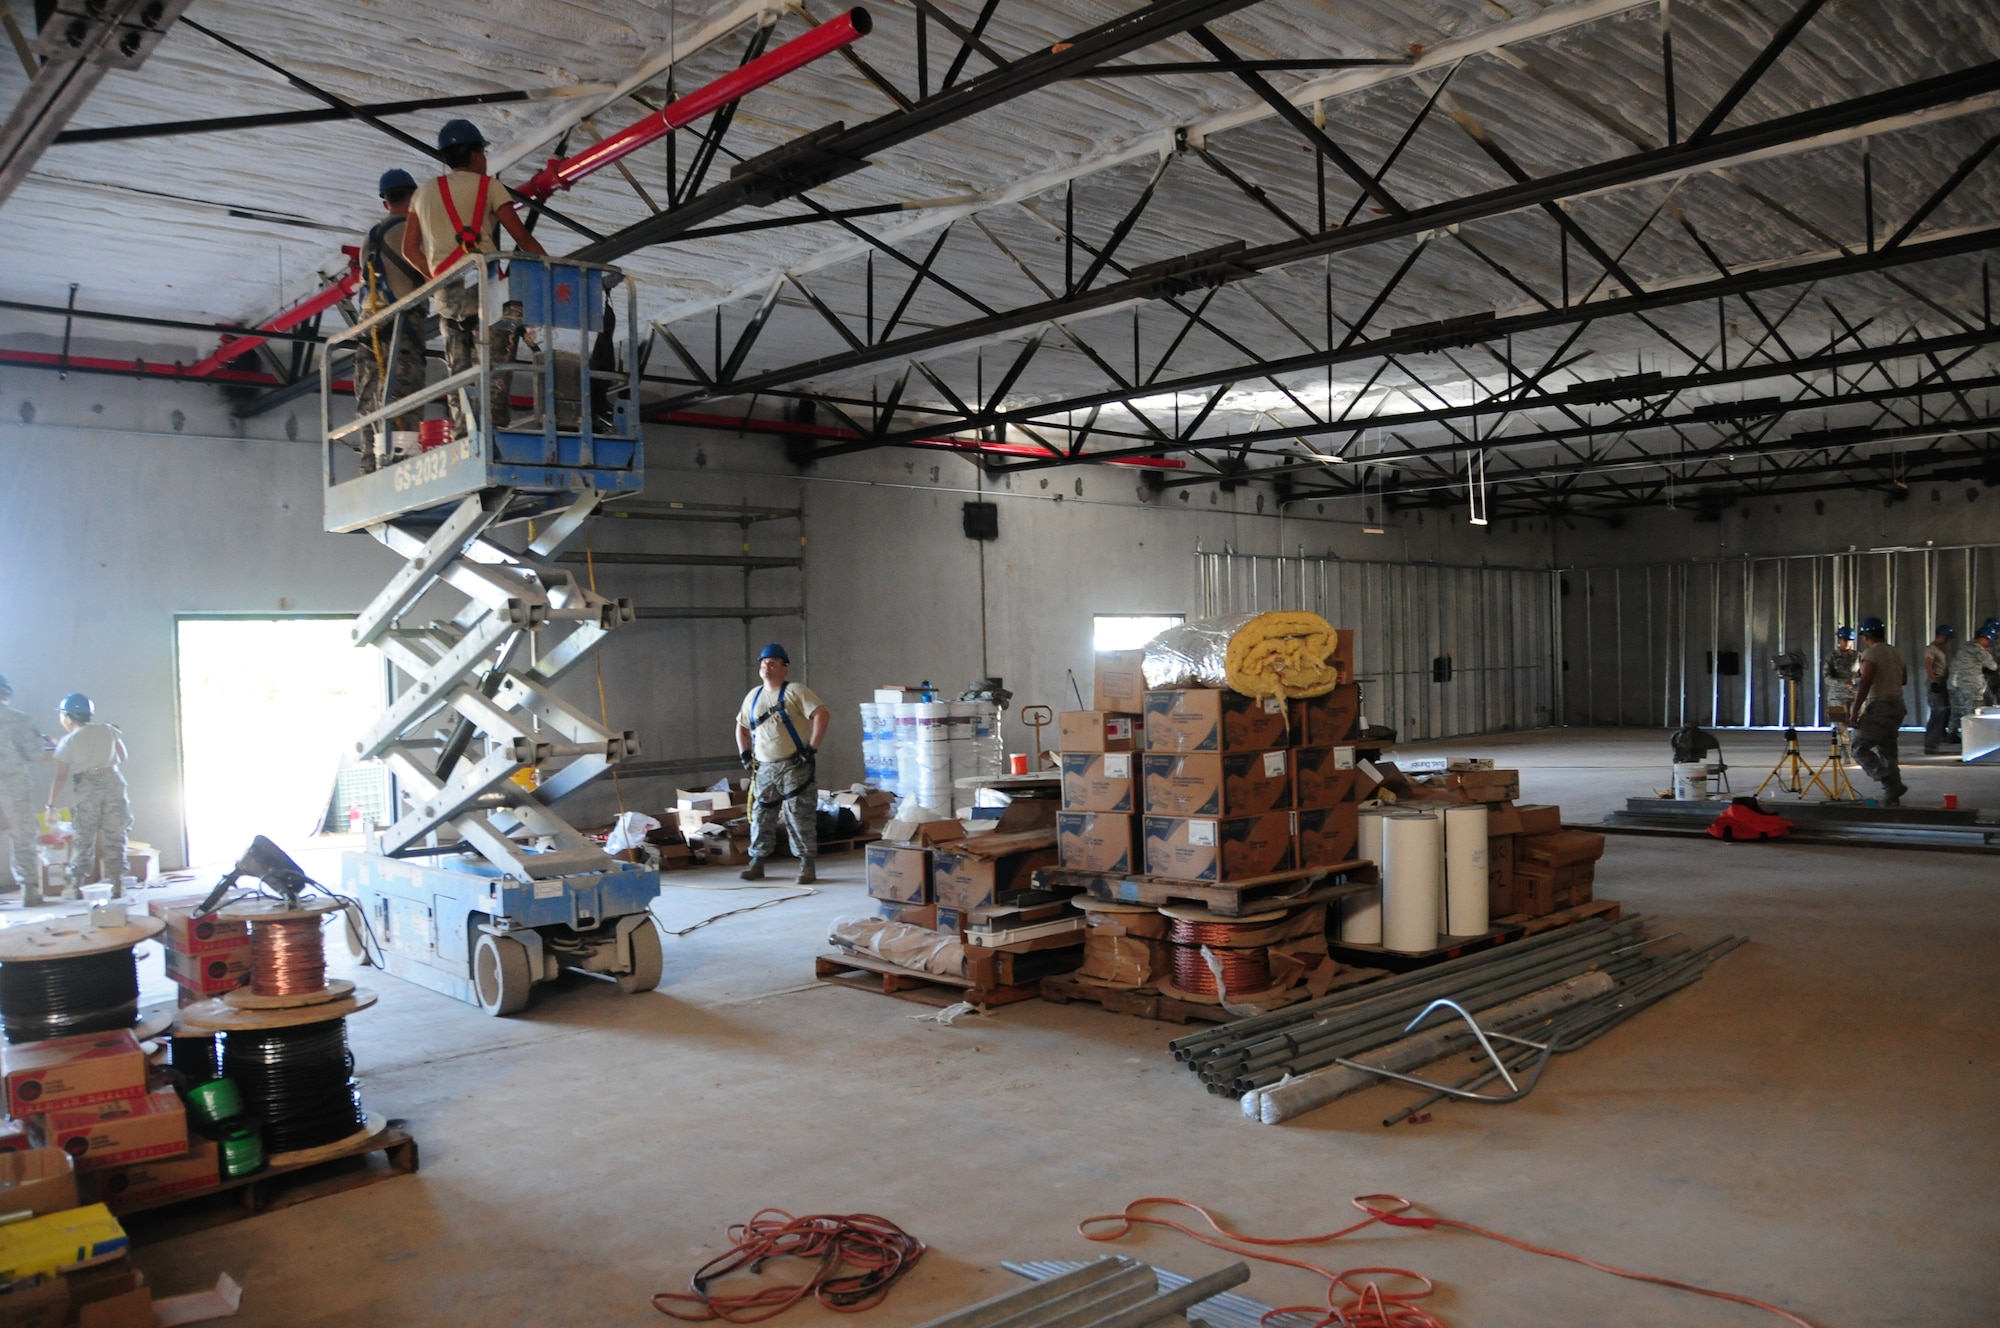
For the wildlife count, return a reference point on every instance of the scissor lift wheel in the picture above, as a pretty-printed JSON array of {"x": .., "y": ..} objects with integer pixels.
[
  {"x": 649, "y": 962},
  {"x": 500, "y": 974}
]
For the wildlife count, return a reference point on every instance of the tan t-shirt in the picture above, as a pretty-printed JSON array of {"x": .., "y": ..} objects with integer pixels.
[
  {"x": 769, "y": 741},
  {"x": 441, "y": 244},
  {"x": 1890, "y": 672},
  {"x": 92, "y": 747}
]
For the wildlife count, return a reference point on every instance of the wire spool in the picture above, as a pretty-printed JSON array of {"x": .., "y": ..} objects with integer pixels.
[
  {"x": 298, "y": 1080},
  {"x": 194, "y": 1055},
  {"x": 287, "y": 957},
  {"x": 1244, "y": 968},
  {"x": 63, "y": 997}
]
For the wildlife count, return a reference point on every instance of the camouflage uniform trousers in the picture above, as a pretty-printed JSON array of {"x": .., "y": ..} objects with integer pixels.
[
  {"x": 800, "y": 810},
  {"x": 98, "y": 809},
  {"x": 458, "y": 316},
  {"x": 1964, "y": 701},
  {"x": 17, "y": 841},
  {"x": 368, "y": 378},
  {"x": 1875, "y": 742}
]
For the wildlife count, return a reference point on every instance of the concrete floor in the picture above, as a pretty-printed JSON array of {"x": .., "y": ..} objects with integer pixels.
[{"x": 1813, "y": 1124}]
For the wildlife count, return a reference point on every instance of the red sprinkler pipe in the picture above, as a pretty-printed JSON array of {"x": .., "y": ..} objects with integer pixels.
[
  {"x": 802, "y": 50},
  {"x": 232, "y": 347}
]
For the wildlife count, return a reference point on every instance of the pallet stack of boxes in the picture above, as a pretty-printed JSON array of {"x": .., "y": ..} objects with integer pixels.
[
  {"x": 1534, "y": 866},
  {"x": 206, "y": 955}
]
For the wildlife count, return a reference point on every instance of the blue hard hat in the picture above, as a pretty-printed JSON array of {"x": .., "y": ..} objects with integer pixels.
[
  {"x": 394, "y": 181},
  {"x": 6, "y": 689},
  {"x": 1990, "y": 628},
  {"x": 1872, "y": 627},
  {"x": 775, "y": 651},
  {"x": 460, "y": 133},
  {"x": 1843, "y": 633},
  {"x": 1946, "y": 631},
  {"x": 76, "y": 705}
]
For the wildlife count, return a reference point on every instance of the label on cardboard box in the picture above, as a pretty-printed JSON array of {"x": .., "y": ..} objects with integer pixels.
[
  {"x": 1201, "y": 833},
  {"x": 116, "y": 1134},
  {"x": 64, "y": 1073},
  {"x": 1274, "y": 764}
]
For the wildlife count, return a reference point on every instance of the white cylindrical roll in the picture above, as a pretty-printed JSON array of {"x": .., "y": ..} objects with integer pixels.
[
  {"x": 1465, "y": 871},
  {"x": 1361, "y": 914},
  {"x": 1412, "y": 862}
]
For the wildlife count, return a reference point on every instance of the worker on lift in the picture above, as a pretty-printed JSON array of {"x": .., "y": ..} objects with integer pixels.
[
  {"x": 387, "y": 276},
  {"x": 89, "y": 757},
  {"x": 459, "y": 214},
  {"x": 785, "y": 763},
  {"x": 21, "y": 743}
]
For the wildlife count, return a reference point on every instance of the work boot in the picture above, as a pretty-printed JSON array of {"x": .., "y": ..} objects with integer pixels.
[
  {"x": 31, "y": 897},
  {"x": 754, "y": 872},
  {"x": 1895, "y": 798},
  {"x": 806, "y": 875}
]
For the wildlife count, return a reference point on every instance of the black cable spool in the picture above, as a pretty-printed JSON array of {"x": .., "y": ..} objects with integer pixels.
[
  {"x": 45, "y": 998},
  {"x": 299, "y": 1081},
  {"x": 195, "y": 1056}
]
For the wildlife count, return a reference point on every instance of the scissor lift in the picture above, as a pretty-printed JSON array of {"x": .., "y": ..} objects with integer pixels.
[{"x": 479, "y": 889}]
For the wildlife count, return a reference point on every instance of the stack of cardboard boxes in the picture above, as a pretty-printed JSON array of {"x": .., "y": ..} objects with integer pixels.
[{"x": 206, "y": 955}]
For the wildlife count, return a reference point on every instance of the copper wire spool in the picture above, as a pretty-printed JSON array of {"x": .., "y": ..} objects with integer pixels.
[
  {"x": 1242, "y": 970},
  {"x": 288, "y": 957}
]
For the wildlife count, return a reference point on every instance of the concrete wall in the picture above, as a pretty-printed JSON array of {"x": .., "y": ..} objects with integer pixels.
[{"x": 123, "y": 505}]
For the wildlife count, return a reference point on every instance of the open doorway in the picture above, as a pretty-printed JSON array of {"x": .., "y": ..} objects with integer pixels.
[{"x": 269, "y": 712}]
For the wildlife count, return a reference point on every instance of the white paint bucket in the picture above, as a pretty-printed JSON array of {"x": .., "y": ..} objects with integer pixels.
[{"x": 1691, "y": 781}]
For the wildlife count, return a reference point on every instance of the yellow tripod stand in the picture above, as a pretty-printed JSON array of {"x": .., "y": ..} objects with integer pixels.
[{"x": 1794, "y": 775}]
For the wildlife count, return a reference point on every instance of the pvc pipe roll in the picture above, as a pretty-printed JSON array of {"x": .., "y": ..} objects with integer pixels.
[
  {"x": 1361, "y": 914},
  {"x": 1412, "y": 862},
  {"x": 1465, "y": 871}
]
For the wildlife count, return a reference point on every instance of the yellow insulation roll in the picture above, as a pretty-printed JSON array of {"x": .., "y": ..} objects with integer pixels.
[{"x": 1284, "y": 654}]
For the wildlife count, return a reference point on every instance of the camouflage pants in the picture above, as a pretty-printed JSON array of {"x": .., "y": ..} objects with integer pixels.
[
  {"x": 98, "y": 809},
  {"x": 1875, "y": 741},
  {"x": 789, "y": 789},
  {"x": 371, "y": 359},
  {"x": 1964, "y": 701},
  {"x": 458, "y": 316},
  {"x": 17, "y": 841}
]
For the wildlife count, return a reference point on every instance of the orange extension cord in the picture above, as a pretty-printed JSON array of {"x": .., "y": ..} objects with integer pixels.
[
  {"x": 1368, "y": 1304},
  {"x": 859, "y": 1256}
]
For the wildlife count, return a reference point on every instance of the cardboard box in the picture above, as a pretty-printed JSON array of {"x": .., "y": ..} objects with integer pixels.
[
  {"x": 1537, "y": 819},
  {"x": 1098, "y": 841},
  {"x": 899, "y": 873},
  {"x": 968, "y": 881},
  {"x": 41, "y": 1245},
  {"x": 1326, "y": 776},
  {"x": 1326, "y": 721},
  {"x": 871, "y": 807},
  {"x": 1097, "y": 731},
  {"x": 722, "y": 850},
  {"x": 116, "y": 1134},
  {"x": 1499, "y": 875},
  {"x": 1098, "y": 781},
  {"x": 1197, "y": 848},
  {"x": 910, "y": 915},
  {"x": 1120, "y": 681},
  {"x": 705, "y": 800},
  {"x": 42, "y": 1304},
  {"x": 1327, "y": 835},
  {"x": 14, "y": 1137},
  {"x": 65, "y": 1073},
  {"x": 38, "y": 1181},
  {"x": 924, "y": 834},
  {"x": 1484, "y": 785},
  {"x": 212, "y": 972},
  {"x": 1119, "y": 959},
  {"x": 1540, "y": 890},
  {"x": 1199, "y": 719},
  {"x": 1502, "y": 818},
  {"x": 1560, "y": 848},
  {"x": 1218, "y": 783},
  {"x": 145, "y": 1183},
  {"x": 950, "y": 921},
  {"x": 191, "y": 933}
]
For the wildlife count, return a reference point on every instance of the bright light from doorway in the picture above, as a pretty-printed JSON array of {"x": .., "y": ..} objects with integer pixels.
[
  {"x": 1129, "y": 631},
  {"x": 268, "y": 709}
]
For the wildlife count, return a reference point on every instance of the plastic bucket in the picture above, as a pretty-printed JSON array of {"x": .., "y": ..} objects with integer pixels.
[{"x": 1691, "y": 781}]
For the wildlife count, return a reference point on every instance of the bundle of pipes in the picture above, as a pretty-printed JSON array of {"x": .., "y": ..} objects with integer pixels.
[
  {"x": 1295, "y": 1059},
  {"x": 1110, "y": 1293}
]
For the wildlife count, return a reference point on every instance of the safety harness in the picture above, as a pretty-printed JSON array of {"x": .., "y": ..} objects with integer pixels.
[
  {"x": 468, "y": 237},
  {"x": 801, "y": 754}
]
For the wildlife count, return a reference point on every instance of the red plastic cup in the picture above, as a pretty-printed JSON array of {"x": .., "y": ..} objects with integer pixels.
[
  {"x": 1018, "y": 763},
  {"x": 1951, "y": 802}
]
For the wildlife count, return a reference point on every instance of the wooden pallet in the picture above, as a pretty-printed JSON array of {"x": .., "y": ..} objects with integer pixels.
[
  {"x": 1233, "y": 900},
  {"x": 1150, "y": 1003},
  {"x": 387, "y": 1155},
  {"x": 1608, "y": 909},
  {"x": 1510, "y": 928},
  {"x": 863, "y": 973}
]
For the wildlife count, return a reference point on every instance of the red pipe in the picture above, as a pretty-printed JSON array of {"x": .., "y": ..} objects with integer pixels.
[
  {"x": 802, "y": 50},
  {"x": 232, "y": 347},
  {"x": 738, "y": 424}
]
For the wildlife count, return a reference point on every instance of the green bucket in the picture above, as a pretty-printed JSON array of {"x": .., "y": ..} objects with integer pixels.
[
  {"x": 214, "y": 1102},
  {"x": 242, "y": 1151}
]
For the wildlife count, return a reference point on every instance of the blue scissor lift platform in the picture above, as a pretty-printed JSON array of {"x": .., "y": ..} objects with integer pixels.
[{"x": 478, "y": 889}]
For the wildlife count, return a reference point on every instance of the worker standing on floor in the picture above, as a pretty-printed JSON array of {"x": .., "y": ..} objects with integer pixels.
[
  {"x": 88, "y": 758},
  {"x": 387, "y": 276},
  {"x": 770, "y": 739},
  {"x": 1839, "y": 675},
  {"x": 21, "y": 744},
  {"x": 458, "y": 214},
  {"x": 1971, "y": 666},
  {"x": 1937, "y": 692},
  {"x": 1879, "y": 710}
]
